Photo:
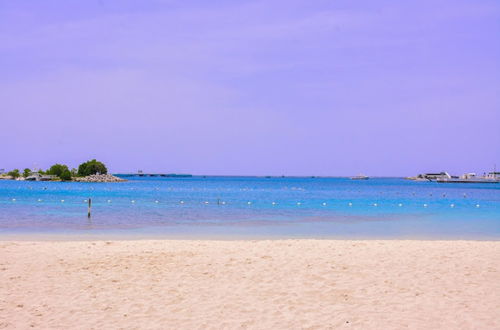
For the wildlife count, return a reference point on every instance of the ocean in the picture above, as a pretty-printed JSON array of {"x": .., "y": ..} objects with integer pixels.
[{"x": 252, "y": 207}]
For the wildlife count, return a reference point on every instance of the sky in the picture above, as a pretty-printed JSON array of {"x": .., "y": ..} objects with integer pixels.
[{"x": 275, "y": 87}]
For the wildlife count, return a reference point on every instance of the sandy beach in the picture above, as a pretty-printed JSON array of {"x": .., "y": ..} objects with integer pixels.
[{"x": 272, "y": 284}]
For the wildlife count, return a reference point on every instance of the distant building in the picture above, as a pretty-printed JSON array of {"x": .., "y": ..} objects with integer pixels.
[
  {"x": 468, "y": 176},
  {"x": 40, "y": 177},
  {"x": 431, "y": 176}
]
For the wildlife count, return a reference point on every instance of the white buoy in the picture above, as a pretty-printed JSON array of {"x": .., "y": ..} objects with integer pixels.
[
  {"x": 350, "y": 204},
  {"x": 425, "y": 205},
  {"x": 477, "y": 205},
  {"x": 13, "y": 199},
  {"x": 324, "y": 204},
  {"x": 39, "y": 200},
  {"x": 375, "y": 204},
  {"x": 298, "y": 203},
  {"x": 400, "y": 204},
  {"x": 109, "y": 200},
  {"x": 206, "y": 202},
  {"x": 223, "y": 203},
  {"x": 156, "y": 202},
  {"x": 249, "y": 203},
  {"x": 62, "y": 200},
  {"x": 274, "y": 203},
  {"x": 132, "y": 201},
  {"x": 182, "y": 202},
  {"x": 85, "y": 201},
  {"x": 452, "y": 205}
]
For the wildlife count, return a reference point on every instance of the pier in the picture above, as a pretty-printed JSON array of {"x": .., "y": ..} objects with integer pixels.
[{"x": 165, "y": 175}]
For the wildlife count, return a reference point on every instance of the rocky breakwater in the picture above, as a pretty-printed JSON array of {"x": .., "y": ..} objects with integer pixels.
[{"x": 99, "y": 178}]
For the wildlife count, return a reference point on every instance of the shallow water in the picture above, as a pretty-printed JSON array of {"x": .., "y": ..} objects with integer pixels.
[{"x": 234, "y": 207}]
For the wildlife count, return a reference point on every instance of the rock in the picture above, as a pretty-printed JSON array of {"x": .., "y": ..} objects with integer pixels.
[{"x": 99, "y": 178}]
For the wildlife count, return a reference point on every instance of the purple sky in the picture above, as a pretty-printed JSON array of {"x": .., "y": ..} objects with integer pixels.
[{"x": 252, "y": 87}]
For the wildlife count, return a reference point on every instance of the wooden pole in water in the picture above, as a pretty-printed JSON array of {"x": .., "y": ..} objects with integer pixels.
[{"x": 90, "y": 208}]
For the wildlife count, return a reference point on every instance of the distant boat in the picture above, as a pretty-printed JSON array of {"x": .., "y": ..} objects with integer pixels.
[
  {"x": 360, "y": 177},
  {"x": 468, "y": 180},
  {"x": 471, "y": 178}
]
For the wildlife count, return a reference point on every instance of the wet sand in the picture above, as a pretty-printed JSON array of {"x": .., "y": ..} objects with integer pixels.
[{"x": 268, "y": 284}]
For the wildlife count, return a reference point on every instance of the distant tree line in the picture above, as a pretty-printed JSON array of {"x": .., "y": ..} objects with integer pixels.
[{"x": 64, "y": 173}]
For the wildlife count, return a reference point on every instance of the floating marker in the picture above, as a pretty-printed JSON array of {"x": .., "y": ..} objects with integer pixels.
[
  {"x": 298, "y": 203},
  {"x": 350, "y": 204},
  {"x": 13, "y": 199},
  {"x": 400, "y": 204},
  {"x": 62, "y": 200},
  {"x": 324, "y": 204},
  {"x": 182, "y": 202},
  {"x": 425, "y": 205},
  {"x": 89, "y": 208},
  {"x": 249, "y": 203},
  {"x": 274, "y": 203},
  {"x": 223, "y": 203},
  {"x": 132, "y": 201},
  {"x": 452, "y": 205},
  {"x": 375, "y": 204},
  {"x": 477, "y": 205},
  {"x": 85, "y": 201},
  {"x": 156, "y": 202},
  {"x": 39, "y": 200},
  {"x": 109, "y": 200}
]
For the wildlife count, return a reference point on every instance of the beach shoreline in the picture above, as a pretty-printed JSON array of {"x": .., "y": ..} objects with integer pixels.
[{"x": 254, "y": 284}]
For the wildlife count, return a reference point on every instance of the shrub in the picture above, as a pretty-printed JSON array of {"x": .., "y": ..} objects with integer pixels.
[
  {"x": 14, "y": 173},
  {"x": 26, "y": 172},
  {"x": 57, "y": 169},
  {"x": 65, "y": 175},
  {"x": 92, "y": 167}
]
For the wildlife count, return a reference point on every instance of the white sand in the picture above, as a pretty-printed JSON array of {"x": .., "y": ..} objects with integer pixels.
[{"x": 287, "y": 284}]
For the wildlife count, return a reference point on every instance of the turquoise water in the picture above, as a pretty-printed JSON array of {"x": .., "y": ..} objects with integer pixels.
[{"x": 233, "y": 207}]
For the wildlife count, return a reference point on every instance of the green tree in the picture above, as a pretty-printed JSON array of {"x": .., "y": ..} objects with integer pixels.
[
  {"x": 92, "y": 167},
  {"x": 14, "y": 173},
  {"x": 26, "y": 172},
  {"x": 57, "y": 169},
  {"x": 65, "y": 175}
]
